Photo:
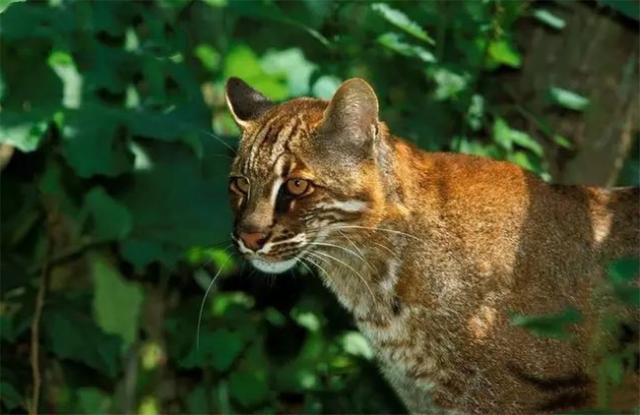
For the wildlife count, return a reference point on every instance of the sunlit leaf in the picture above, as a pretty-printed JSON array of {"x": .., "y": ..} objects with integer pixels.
[
  {"x": 568, "y": 99},
  {"x": 502, "y": 52},
  {"x": 549, "y": 19},
  {"x": 401, "y": 21},
  {"x": 117, "y": 303},
  {"x": 357, "y": 345},
  {"x": 394, "y": 42}
]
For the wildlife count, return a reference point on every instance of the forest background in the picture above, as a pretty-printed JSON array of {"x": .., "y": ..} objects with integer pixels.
[{"x": 115, "y": 150}]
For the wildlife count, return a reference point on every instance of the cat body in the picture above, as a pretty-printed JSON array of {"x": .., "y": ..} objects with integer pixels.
[{"x": 431, "y": 252}]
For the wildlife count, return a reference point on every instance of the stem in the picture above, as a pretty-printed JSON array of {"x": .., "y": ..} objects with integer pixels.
[{"x": 35, "y": 332}]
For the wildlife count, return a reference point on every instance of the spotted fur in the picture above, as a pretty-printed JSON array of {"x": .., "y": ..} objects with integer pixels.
[{"x": 431, "y": 252}]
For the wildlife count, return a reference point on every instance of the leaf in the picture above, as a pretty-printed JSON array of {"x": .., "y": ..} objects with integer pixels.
[
  {"x": 394, "y": 42},
  {"x": 549, "y": 325},
  {"x": 506, "y": 137},
  {"x": 356, "y": 344},
  {"x": 208, "y": 56},
  {"x": 624, "y": 270},
  {"x": 93, "y": 143},
  {"x": 248, "y": 388},
  {"x": 111, "y": 220},
  {"x": 192, "y": 193},
  {"x": 10, "y": 396},
  {"x": 502, "y": 52},
  {"x": 92, "y": 401},
  {"x": 629, "y": 8},
  {"x": 21, "y": 132},
  {"x": 401, "y": 21},
  {"x": 117, "y": 303},
  {"x": 291, "y": 65},
  {"x": 217, "y": 349},
  {"x": 568, "y": 99},
  {"x": 549, "y": 19},
  {"x": 449, "y": 84},
  {"x": 623, "y": 275},
  {"x": 76, "y": 337}
]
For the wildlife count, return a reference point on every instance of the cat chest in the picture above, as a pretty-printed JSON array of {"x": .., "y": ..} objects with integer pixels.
[{"x": 406, "y": 354}]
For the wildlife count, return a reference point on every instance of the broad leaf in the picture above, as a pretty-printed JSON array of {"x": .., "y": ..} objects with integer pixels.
[
  {"x": 117, "y": 303},
  {"x": 549, "y": 325}
]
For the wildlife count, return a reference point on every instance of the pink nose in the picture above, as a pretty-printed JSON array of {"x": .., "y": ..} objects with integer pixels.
[{"x": 253, "y": 240}]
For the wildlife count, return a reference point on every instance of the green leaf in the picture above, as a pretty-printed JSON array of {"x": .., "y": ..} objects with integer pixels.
[
  {"x": 10, "y": 396},
  {"x": 401, "y": 21},
  {"x": 93, "y": 144},
  {"x": 549, "y": 325},
  {"x": 242, "y": 62},
  {"x": 394, "y": 42},
  {"x": 624, "y": 270},
  {"x": 218, "y": 349},
  {"x": 506, "y": 137},
  {"x": 356, "y": 344},
  {"x": 613, "y": 368},
  {"x": 117, "y": 303},
  {"x": 76, "y": 337},
  {"x": 568, "y": 99},
  {"x": 549, "y": 19},
  {"x": 449, "y": 84},
  {"x": 248, "y": 388},
  {"x": 92, "y": 401},
  {"x": 110, "y": 219},
  {"x": 208, "y": 56},
  {"x": 502, "y": 52},
  {"x": 21, "y": 132},
  {"x": 623, "y": 275},
  {"x": 187, "y": 188},
  {"x": 629, "y": 8}
]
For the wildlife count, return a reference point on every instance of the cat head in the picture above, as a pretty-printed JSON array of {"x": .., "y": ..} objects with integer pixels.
[{"x": 305, "y": 170}]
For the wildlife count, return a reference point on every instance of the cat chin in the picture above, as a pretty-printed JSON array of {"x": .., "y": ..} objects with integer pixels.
[{"x": 273, "y": 267}]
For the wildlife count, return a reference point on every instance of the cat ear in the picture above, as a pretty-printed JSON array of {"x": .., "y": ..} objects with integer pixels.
[
  {"x": 352, "y": 113},
  {"x": 245, "y": 103}
]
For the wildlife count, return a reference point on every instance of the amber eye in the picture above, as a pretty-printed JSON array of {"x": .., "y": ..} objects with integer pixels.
[
  {"x": 297, "y": 187},
  {"x": 240, "y": 184}
]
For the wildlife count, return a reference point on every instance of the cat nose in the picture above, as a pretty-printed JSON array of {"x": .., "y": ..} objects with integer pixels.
[{"x": 253, "y": 240}]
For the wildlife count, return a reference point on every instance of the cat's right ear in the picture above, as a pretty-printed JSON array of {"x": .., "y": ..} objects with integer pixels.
[{"x": 245, "y": 103}]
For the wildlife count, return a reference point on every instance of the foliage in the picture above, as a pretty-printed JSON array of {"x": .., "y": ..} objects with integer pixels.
[{"x": 116, "y": 196}]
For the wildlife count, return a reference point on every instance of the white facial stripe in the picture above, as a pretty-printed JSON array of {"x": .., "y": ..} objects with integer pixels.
[
  {"x": 351, "y": 206},
  {"x": 299, "y": 238},
  {"x": 274, "y": 191}
]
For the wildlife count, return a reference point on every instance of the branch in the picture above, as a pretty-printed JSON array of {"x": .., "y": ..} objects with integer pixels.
[{"x": 35, "y": 331}]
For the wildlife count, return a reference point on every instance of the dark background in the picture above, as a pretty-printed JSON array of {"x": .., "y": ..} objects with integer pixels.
[{"x": 115, "y": 151}]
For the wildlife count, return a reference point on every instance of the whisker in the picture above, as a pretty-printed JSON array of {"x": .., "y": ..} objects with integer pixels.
[
  {"x": 345, "y": 250},
  {"x": 373, "y": 297},
  {"x": 380, "y": 229},
  {"x": 204, "y": 299}
]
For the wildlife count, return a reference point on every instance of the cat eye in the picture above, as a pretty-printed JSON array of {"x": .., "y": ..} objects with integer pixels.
[
  {"x": 298, "y": 187},
  {"x": 240, "y": 184}
]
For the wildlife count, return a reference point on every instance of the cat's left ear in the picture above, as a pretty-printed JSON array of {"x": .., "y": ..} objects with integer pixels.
[
  {"x": 352, "y": 113},
  {"x": 245, "y": 103}
]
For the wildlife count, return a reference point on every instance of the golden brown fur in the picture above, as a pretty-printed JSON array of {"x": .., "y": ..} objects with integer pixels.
[{"x": 431, "y": 252}]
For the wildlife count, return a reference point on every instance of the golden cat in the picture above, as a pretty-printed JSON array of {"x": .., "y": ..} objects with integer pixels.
[{"x": 430, "y": 252}]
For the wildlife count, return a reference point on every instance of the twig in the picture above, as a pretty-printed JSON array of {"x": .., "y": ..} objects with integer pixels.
[{"x": 35, "y": 332}]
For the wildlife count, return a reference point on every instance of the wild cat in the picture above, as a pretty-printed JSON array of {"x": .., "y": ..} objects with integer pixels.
[{"x": 430, "y": 252}]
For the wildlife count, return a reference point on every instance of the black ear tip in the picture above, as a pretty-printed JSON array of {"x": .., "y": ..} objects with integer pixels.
[{"x": 235, "y": 82}]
